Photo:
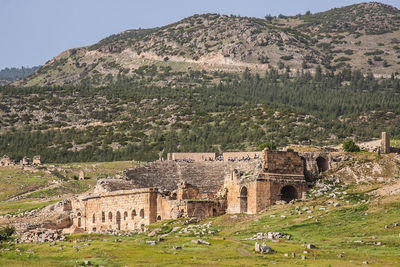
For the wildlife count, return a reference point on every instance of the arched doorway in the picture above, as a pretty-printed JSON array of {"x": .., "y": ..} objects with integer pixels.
[
  {"x": 141, "y": 213},
  {"x": 243, "y": 200},
  {"x": 118, "y": 220},
  {"x": 158, "y": 218},
  {"x": 288, "y": 193},
  {"x": 214, "y": 213},
  {"x": 79, "y": 219},
  {"x": 322, "y": 164}
]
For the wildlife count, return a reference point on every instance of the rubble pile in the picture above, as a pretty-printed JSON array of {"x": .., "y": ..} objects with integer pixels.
[
  {"x": 329, "y": 186},
  {"x": 41, "y": 235},
  {"x": 269, "y": 235},
  {"x": 198, "y": 229}
]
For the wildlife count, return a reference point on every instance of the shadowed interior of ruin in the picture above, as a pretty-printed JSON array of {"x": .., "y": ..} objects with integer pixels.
[
  {"x": 243, "y": 200},
  {"x": 322, "y": 164},
  {"x": 288, "y": 193}
]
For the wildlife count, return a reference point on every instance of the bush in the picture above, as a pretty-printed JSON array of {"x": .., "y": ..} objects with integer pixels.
[
  {"x": 268, "y": 145},
  {"x": 6, "y": 233},
  {"x": 350, "y": 146}
]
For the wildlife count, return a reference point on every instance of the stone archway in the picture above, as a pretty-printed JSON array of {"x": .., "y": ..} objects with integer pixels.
[
  {"x": 322, "y": 163},
  {"x": 243, "y": 200},
  {"x": 79, "y": 219},
  {"x": 288, "y": 193},
  {"x": 118, "y": 220}
]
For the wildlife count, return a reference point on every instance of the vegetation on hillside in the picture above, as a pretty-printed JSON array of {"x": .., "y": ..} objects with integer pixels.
[
  {"x": 334, "y": 40},
  {"x": 131, "y": 120},
  {"x": 12, "y": 74}
]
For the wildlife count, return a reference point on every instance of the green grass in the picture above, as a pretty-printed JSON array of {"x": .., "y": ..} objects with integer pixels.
[
  {"x": 20, "y": 206},
  {"x": 15, "y": 181},
  {"x": 395, "y": 143},
  {"x": 332, "y": 230},
  {"x": 360, "y": 216}
]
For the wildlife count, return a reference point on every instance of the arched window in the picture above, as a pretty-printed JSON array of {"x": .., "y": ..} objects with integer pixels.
[
  {"x": 110, "y": 216},
  {"x": 103, "y": 216},
  {"x": 79, "y": 219},
  {"x": 141, "y": 213},
  {"x": 125, "y": 215},
  {"x": 118, "y": 220},
  {"x": 94, "y": 218},
  {"x": 158, "y": 218},
  {"x": 133, "y": 214},
  {"x": 243, "y": 200}
]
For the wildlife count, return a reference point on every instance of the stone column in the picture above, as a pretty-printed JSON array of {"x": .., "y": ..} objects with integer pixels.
[{"x": 385, "y": 143}]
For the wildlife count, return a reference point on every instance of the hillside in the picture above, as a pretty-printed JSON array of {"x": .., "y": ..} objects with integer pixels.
[
  {"x": 8, "y": 75},
  {"x": 363, "y": 36},
  {"x": 351, "y": 220}
]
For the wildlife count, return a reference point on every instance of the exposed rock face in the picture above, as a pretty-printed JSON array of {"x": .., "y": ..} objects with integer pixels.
[{"x": 230, "y": 43}]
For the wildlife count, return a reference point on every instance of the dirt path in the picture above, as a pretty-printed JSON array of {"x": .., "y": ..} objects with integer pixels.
[
  {"x": 243, "y": 251},
  {"x": 20, "y": 196}
]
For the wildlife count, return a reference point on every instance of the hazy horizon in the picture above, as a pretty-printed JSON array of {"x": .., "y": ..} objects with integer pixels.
[{"x": 36, "y": 31}]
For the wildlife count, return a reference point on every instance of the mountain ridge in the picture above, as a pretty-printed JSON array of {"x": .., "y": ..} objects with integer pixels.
[{"x": 362, "y": 36}]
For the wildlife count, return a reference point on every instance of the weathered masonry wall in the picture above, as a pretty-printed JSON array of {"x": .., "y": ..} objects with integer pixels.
[
  {"x": 282, "y": 179},
  {"x": 385, "y": 143},
  {"x": 241, "y": 155},
  {"x": 192, "y": 156},
  {"x": 283, "y": 162},
  {"x": 119, "y": 210}
]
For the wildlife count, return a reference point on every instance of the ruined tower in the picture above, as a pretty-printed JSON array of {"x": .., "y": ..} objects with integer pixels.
[{"x": 385, "y": 143}]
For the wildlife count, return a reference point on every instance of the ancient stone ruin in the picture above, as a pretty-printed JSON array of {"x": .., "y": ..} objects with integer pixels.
[
  {"x": 6, "y": 161},
  {"x": 178, "y": 188}
]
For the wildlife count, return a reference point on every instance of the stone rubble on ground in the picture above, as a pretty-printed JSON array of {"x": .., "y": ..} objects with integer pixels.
[
  {"x": 263, "y": 249},
  {"x": 268, "y": 235},
  {"x": 41, "y": 236}
]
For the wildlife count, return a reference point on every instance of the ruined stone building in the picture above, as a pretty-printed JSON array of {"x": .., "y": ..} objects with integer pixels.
[
  {"x": 173, "y": 189},
  {"x": 5, "y": 161},
  {"x": 36, "y": 160}
]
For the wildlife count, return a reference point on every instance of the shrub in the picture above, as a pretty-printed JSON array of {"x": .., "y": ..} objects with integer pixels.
[
  {"x": 350, "y": 146},
  {"x": 268, "y": 145},
  {"x": 287, "y": 57},
  {"x": 6, "y": 233}
]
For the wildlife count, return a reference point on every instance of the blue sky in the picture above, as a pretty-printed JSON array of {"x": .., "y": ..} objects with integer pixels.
[{"x": 34, "y": 31}]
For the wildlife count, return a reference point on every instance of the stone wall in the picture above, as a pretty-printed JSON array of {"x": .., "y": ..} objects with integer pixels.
[
  {"x": 191, "y": 156},
  {"x": 315, "y": 163},
  {"x": 118, "y": 210},
  {"x": 5, "y": 161},
  {"x": 241, "y": 155},
  {"x": 281, "y": 179},
  {"x": 283, "y": 162}
]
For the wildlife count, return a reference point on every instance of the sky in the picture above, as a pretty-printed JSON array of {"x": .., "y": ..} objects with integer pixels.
[{"x": 34, "y": 31}]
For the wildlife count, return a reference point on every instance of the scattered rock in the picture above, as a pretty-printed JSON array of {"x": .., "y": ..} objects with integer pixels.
[
  {"x": 154, "y": 232},
  {"x": 263, "y": 249},
  {"x": 311, "y": 246}
]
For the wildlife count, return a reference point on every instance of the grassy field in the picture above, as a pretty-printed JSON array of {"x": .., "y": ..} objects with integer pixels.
[
  {"x": 41, "y": 188},
  {"x": 352, "y": 229}
]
